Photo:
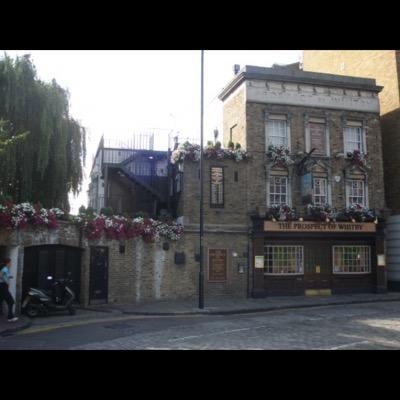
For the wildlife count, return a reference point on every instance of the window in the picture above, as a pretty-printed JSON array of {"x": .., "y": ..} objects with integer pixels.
[
  {"x": 353, "y": 138},
  {"x": 232, "y": 133},
  {"x": 320, "y": 192},
  {"x": 217, "y": 187},
  {"x": 356, "y": 192},
  {"x": 318, "y": 138},
  {"x": 278, "y": 187},
  {"x": 178, "y": 182},
  {"x": 351, "y": 259},
  {"x": 283, "y": 259},
  {"x": 277, "y": 133}
]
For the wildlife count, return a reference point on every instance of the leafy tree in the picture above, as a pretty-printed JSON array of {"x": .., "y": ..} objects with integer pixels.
[{"x": 42, "y": 148}]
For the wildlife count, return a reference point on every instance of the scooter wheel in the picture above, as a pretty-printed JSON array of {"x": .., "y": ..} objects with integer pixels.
[
  {"x": 31, "y": 312},
  {"x": 72, "y": 310}
]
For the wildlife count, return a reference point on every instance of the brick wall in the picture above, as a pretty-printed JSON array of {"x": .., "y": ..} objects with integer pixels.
[
  {"x": 234, "y": 117},
  {"x": 251, "y": 193},
  {"x": 384, "y": 66},
  {"x": 145, "y": 272}
]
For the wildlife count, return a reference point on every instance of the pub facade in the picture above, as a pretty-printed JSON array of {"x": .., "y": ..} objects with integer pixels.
[{"x": 306, "y": 208}]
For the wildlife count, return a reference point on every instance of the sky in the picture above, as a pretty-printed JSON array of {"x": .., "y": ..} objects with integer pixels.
[{"x": 120, "y": 93}]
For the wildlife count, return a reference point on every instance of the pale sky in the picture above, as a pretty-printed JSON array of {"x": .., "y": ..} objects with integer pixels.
[{"x": 118, "y": 93}]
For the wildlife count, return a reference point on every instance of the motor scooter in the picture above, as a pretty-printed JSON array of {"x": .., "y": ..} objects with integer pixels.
[{"x": 41, "y": 302}]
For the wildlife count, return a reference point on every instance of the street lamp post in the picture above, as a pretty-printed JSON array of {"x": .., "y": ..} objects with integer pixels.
[{"x": 201, "y": 269}]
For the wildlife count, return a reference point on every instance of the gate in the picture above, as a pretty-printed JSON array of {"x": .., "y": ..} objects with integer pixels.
[
  {"x": 55, "y": 260},
  {"x": 98, "y": 283}
]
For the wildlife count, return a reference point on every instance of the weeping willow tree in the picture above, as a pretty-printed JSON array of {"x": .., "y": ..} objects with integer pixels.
[{"x": 42, "y": 148}]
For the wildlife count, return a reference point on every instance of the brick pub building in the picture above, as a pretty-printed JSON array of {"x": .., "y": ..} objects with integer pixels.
[
  {"x": 319, "y": 119},
  {"x": 384, "y": 66},
  {"x": 252, "y": 245}
]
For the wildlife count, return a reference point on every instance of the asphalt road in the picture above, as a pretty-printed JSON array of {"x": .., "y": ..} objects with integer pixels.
[{"x": 362, "y": 326}]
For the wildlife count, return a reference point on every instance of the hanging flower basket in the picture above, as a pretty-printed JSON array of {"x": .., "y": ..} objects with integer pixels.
[
  {"x": 358, "y": 158},
  {"x": 279, "y": 155},
  {"x": 281, "y": 213},
  {"x": 319, "y": 213}
]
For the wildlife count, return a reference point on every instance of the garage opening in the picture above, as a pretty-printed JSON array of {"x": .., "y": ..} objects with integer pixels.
[{"x": 54, "y": 260}]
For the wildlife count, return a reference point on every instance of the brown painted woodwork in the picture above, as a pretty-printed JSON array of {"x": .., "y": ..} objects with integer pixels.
[{"x": 217, "y": 265}]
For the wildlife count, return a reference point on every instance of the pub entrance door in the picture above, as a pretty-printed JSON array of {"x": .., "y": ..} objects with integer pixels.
[
  {"x": 98, "y": 282},
  {"x": 317, "y": 265}
]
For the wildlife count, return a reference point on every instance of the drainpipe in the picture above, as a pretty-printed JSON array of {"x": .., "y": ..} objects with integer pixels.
[{"x": 249, "y": 258}]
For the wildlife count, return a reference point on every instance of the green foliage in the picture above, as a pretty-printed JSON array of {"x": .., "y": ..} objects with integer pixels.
[
  {"x": 108, "y": 211},
  {"x": 82, "y": 210},
  {"x": 218, "y": 145},
  {"x": 42, "y": 149},
  {"x": 231, "y": 145},
  {"x": 141, "y": 214},
  {"x": 165, "y": 216},
  {"x": 238, "y": 146}
]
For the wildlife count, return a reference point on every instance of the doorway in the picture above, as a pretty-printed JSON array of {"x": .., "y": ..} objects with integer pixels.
[
  {"x": 317, "y": 265},
  {"x": 51, "y": 260},
  {"x": 98, "y": 282}
]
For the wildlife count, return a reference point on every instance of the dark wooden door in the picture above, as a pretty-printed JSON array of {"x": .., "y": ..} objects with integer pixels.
[
  {"x": 317, "y": 265},
  {"x": 98, "y": 286}
]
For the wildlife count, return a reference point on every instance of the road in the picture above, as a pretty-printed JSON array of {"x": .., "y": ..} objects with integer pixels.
[{"x": 362, "y": 326}]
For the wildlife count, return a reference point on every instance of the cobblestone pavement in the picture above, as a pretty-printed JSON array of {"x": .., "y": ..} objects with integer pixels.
[
  {"x": 367, "y": 326},
  {"x": 361, "y": 326}
]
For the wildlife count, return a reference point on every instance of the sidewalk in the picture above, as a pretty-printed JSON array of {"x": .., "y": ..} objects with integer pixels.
[
  {"x": 234, "y": 305},
  {"x": 8, "y": 328}
]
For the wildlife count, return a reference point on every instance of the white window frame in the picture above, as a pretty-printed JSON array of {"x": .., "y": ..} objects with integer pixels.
[
  {"x": 269, "y": 193},
  {"x": 296, "y": 247},
  {"x": 277, "y": 117},
  {"x": 321, "y": 121},
  {"x": 325, "y": 180},
  {"x": 349, "y": 188},
  {"x": 362, "y": 143},
  {"x": 335, "y": 271}
]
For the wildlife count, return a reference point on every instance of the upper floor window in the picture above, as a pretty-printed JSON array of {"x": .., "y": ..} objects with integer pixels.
[
  {"x": 217, "y": 187},
  {"x": 320, "y": 191},
  {"x": 318, "y": 138},
  {"x": 356, "y": 192},
  {"x": 354, "y": 137},
  {"x": 277, "y": 132},
  {"x": 278, "y": 190}
]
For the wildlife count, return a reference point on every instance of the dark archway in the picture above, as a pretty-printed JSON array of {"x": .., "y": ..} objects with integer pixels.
[{"x": 55, "y": 260}]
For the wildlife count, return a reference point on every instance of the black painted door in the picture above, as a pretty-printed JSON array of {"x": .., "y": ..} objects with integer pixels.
[
  {"x": 317, "y": 265},
  {"x": 54, "y": 260},
  {"x": 98, "y": 286}
]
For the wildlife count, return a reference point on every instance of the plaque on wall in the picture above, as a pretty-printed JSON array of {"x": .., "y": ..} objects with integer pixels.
[{"x": 217, "y": 265}]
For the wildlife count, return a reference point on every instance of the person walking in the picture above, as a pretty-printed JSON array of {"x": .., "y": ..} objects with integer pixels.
[{"x": 4, "y": 292}]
